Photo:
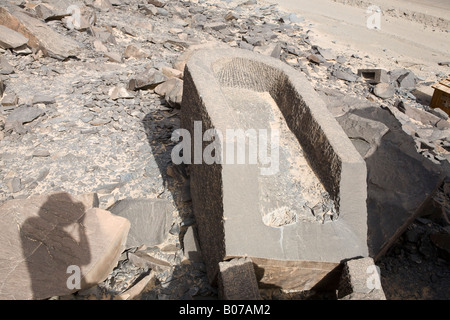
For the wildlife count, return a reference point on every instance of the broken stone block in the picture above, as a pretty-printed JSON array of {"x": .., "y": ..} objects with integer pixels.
[
  {"x": 257, "y": 91},
  {"x": 56, "y": 244},
  {"x": 237, "y": 280},
  {"x": 150, "y": 220},
  {"x": 172, "y": 90},
  {"x": 146, "y": 80},
  {"x": 10, "y": 38},
  {"x": 40, "y": 35},
  {"x": 374, "y": 76},
  {"x": 360, "y": 280}
]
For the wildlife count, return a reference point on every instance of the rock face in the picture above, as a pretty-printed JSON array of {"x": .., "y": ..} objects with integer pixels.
[
  {"x": 45, "y": 238},
  {"x": 395, "y": 195},
  {"x": 226, "y": 199},
  {"x": 40, "y": 35}
]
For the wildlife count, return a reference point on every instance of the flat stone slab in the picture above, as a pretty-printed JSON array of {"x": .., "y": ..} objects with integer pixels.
[
  {"x": 311, "y": 206},
  {"x": 150, "y": 220},
  {"x": 44, "y": 237}
]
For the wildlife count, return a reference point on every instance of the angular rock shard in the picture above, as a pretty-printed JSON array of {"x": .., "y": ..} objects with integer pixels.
[
  {"x": 56, "y": 244},
  {"x": 241, "y": 211}
]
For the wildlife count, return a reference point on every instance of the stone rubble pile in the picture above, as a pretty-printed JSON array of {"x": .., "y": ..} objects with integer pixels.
[{"x": 90, "y": 92}]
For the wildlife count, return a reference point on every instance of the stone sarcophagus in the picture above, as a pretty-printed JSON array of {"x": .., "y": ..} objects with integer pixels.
[{"x": 273, "y": 175}]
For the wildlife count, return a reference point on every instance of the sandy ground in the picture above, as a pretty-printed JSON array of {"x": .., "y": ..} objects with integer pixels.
[{"x": 413, "y": 34}]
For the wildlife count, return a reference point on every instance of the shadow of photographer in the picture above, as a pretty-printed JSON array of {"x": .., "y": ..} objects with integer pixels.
[{"x": 53, "y": 241}]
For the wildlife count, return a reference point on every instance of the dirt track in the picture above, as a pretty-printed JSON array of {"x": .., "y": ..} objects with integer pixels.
[{"x": 412, "y": 34}]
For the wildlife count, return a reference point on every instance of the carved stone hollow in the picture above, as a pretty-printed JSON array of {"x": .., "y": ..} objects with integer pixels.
[{"x": 277, "y": 217}]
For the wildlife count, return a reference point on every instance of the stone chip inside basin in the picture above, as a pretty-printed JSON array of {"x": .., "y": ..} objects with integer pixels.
[{"x": 304, "y": 210}]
